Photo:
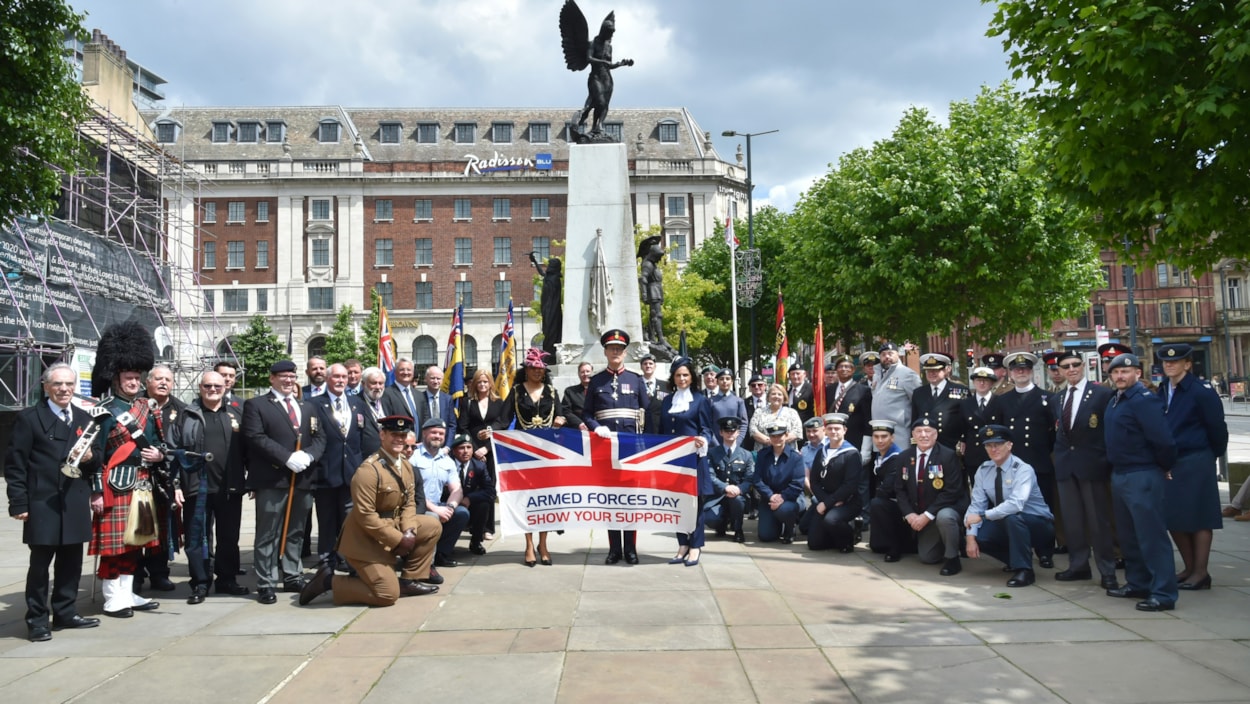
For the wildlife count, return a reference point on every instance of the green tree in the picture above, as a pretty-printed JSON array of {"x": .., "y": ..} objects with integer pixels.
[
  {"x": 41, "y": 105},
  {"x": 1145, "y": 108},
  {"x": 257, "y": 348},
  {"x": 938, "y": 229},
  {"x": 341, "y": 342},
  {"x": 367, "y": 353}
]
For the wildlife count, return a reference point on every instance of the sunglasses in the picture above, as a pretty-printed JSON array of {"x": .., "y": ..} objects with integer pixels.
[
  {"x": 212, "y": 386},
  {"x": 410, "y": 447},
  {"x": 1074, "y": 365}
]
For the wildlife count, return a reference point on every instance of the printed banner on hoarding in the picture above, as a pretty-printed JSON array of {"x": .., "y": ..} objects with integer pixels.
[{"x": 570, "y": 479}]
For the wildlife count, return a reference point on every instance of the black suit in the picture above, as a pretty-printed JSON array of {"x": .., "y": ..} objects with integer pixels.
[
  {"x": 478, "y": 485},
  {"x": 945, "y": 501},
  {"x": 748, "y": 443},
  {"x": 1083, "y": 475},
  {"x": 57, "y": 508},
  {"x": 942, "y": 411},
  {"x": 1032, "y": 417},
  {"x": 394, "y": 403},
  {"x": 574, "y": 402},
  {"x": 857, "y": 405},
  {"x": 344, "y": 452},
  {"x": 975, "y": 418},
  {"x": 801, "y": 401}
]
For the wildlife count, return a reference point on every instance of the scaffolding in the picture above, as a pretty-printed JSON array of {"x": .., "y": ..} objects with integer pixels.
[{"x": 138, "y": 207}]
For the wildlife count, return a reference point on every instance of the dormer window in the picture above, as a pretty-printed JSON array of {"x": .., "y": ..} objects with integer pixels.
[
  {"x": 466, "y": 133},
  {"x": 167, "y": 131},
  {"x": 275, "y": 131},
  {"x": 668, "y": 132},
  {"x": 221, "y": 132},
  {"x": 427, "y": 133},
  {"x": 389, "y": 132},
  {"x": 328, "y": 131},
  {"x": 248, "y": 132},
  {"x": 501, "y": 133}
]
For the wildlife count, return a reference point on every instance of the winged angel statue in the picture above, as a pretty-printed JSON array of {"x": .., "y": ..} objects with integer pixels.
[{"x": 579, "y": 52}]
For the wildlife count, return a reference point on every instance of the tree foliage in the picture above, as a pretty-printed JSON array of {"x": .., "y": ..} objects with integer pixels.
[
  {"x": 367, "y": 352},
  {"x": 341, "y": 341},
  {"x": 41, "y": 105},
  {"x": 257, "y": 348},
  {"x": 1145, "y": 107},
  {"x": 937, "y": 229}
]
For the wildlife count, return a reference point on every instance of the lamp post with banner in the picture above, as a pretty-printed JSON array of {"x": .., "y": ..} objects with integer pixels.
[{"x": 750, "y": 274}]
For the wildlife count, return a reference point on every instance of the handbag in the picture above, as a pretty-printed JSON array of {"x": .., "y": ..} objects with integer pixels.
[
  {"x": 141, "y": 520},
  {"x": 122, "y": 478}
]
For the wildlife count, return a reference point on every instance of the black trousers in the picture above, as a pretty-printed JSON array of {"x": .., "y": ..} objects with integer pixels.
[
  {"x": 614, "y": 541},
  {"x": 480, "y": 516},
  {"x": 226, "y": 511},
  {"x": 332, "y": 504},
  {"x": 832, "y": 530},
  {"x": 66, "y": 564}
]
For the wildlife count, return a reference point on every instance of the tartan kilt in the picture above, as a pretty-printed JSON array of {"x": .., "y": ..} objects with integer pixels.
[{"x": 108, "y": 531}]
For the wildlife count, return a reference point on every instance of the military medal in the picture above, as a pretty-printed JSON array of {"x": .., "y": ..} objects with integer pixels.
[
  {"x": 312, "y": 425},
  {"x": 802, "y": 405},
  {"x": 851, "y": 408},
  {"x": 937, "y": 483},
  {"x": 234, "y": 424},
  {"x": 1093, "y": 420},
  {"x": 616, "y": 386}
]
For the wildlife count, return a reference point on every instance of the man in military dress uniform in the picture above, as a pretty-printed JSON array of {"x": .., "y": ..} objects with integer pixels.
[
  {"x": 616, "y": 401},
  {"x": 733, "y": 470},
  {"x": 852, "y": 398},
  {"x": 869, "y": 361},
  {"x": 729, "y": 404},
  {"x": 1056, "y": 381},
  {"x": 1108, "y": 352},
  {"x": 939, "y": 398},
  {"x": 800, "y": 393},
  {"x": 896, "y": 382},
  {"x": 994, "y": 360},
  {"x": 382, "y": 525},
  {"x": 975, "y": 410},
  {"x": 1030, "y": 414}
]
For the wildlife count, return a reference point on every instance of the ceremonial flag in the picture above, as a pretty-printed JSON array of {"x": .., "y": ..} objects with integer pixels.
[
  {"x": 783, "y": 344},
  {"x": 818, "y": 369},
  {"x": 453, "y": 378},
  {"x": 386, "y": 346},
  {"x": 571, "y": 479},
  {"x": 730, "y": 238},
  {"x": 507, "y": 357}
]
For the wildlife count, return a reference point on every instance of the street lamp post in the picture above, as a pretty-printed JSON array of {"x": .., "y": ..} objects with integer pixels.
[{"x": 750, "y": 231}]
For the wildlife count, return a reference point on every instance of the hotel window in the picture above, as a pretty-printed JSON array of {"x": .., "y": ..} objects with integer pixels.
[
  {"x": 262, "y": 300},
  {"x": 424, "y": 352},
  {"x": 678, "y": 247},
  {"x": 262, "y": 211},
  {"x": 501, "y": 133},
  {"x": 234, "y": 255},
  {"x": 503, "y": 293},
  {"x": 328, "y": 132},
  {"x": 1100, "y": 315},
  {"x": 424, "y": 208},
  {"x": 466, "y": 133},
  {"x": 248, "y": 132},
  {"x": 167, "y": 132},
  {"x": 210, "y": 255},
  {"x": 503, "y": 209},
  {"x": 540, "y": 132},
  {"x": 668, "y": 132},
  {"x": 386, "y": 291},
  {"x": 427, "y": 133},
  {"x": 425, "y": 252},
  {"x": 1165, "y": 315},
  {"x": 389, "y": 132},
  {"x": 676, "y": 207},
  {"x": 464, "y": 209},
  {"x": 262, "y": 254},
  {"x": 541, "y": 247},
  {"x": 319, "y": 209},
  {"x": 464, "y": 293},
  {"x": 210, "y": 212},
  {"x": 425, "y": 295},
  {"x": 235, "y": 300},
  {"x": 321, "y": 252},
  {"x": 503, "y": 250},
  {"x": 464, "y": 250},
  {"x": 221, "y": 132},
  {"x": 275, "y": 131},
  {"x": 612, "y": 130},
  {"x": 540, "y": 209},
  {"x": 1184, "y": 314},
  {"x": 382, "y": 210},
  {"x": 234, "y": 211},
  {"x": 384, "y": 252},
  {"x": 321, "y": 298}
]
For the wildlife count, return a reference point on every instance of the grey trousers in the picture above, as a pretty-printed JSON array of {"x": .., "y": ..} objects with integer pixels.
[
  {"x": 271, "y": 569},
  {"x": 1087, "y": 523},
  {"x": 940, "y": 539}
]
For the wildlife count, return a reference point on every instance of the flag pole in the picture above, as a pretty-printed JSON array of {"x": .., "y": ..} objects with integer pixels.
[{"x": 731, "y": 240}]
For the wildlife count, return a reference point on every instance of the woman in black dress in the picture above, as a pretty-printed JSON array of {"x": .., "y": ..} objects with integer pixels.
[{"x": 534, "y": 404}]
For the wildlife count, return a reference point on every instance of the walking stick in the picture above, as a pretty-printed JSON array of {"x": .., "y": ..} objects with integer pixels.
[{"x": 290, "y": 496}]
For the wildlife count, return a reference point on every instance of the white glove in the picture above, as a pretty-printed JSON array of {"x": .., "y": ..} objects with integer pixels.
[
  {"x": 701, "y": 450},
  {"x": 603, "y": 432},
  {"x": 298, "y": 461}
]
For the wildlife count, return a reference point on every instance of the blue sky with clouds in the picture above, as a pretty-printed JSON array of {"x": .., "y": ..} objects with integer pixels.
[{"x": 831, "y": 75}]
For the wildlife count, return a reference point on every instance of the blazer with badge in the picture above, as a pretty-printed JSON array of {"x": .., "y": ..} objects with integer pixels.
[
  {"x": 343, "y": 451},
  {"x": 446, "y": 407},
  {"x": 384, "y": 499},
  {"x": 57, "y": 507},
  {"x": 974, "y": 418},
  {"x": 803, "y": 404},
  {"x": 857, "y": 405},
  {"x": 835, "y": 476},
  {"x": 1032, "y": 417},
  {"x": 943, "y": 411},
  {"x": 476, "y": 482},
  {"x": 271, "y": 441},
  {"x": 943, "y": 485},
  {"x": 1082, "y": 450}
]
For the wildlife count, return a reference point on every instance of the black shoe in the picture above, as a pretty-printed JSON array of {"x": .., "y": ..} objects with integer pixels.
[
  {"x": 434, "y": 578},
  {"x": 1109, "y": 583},
  {"x": 445, "y": 562},
  {"x": 753, "y": 515},
  {"x": 892, "y": 557},
  {"x": 1204, "y": 583},
  {"x": 740, "y": 537},
  {"x": 120, "y": 613},
  {"x": 786, "y": 540},
  {"x": 266, "y": 595},
  {"x": 1155, "y": 605},
  {"x": 1074, "y": 575},
  {"x": 75, "y": 622},
  {"x": 231, "y": 588},
  {"x": 952, "y": 567},
  {"x": 612, "y": 558},
  {"x": 240, "y": 572},
  {"x": 1046, "y": 561},
  {"x": 1022, "y": 578},
  {"x": 197, "y": 595},
  {"x": 1125, "y": 592},
  {"x": 411, "y": 587},
  {"x": 631, "y": 558},
  {"x": 294, "y": 586},
  {"x": 150, "y": 606},
  {"x": 162, "y": 584},
  {"x": 39, "y": 634},
  {"x": 319, "y": 584},
  {"x": 477, "y": 549},
  {"x": 720, "y": 532},
  {"x": 1061, "y": 550},
  {"x": 1119, "y": 563},
  {"x": 847, "y": 549}
]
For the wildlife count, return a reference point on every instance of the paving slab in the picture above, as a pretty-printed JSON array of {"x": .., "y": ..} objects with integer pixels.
[
  {"x": 15, "y": 668},
  {"x": 249, "y": 677},
  {"x": 944, "y": 632},
  {"x": 653, "y": 576},
  {"x": 209, "y": 645},
  {"x": 1231, "y": 659},
  {"x": 1068, "y": 631},
  {"x": 284, "y": 617},
  {"x": 769, "y": 637},
  {"x": 67, "y": 678},
  {"x": 741, "y": 607},
  {"x": 647, "y": 608},
  {"x": 460, "y": 642},
  {"x": 496, "y": 611},
  {"x": 481, "y": 679},
  {"x": 787, "y": 676},
  {"x": 696, "y": 677},
  {"x": 333, "y": 680},
  {"x": 676, "y": 636},
  {"x": 911, "y": 674}
]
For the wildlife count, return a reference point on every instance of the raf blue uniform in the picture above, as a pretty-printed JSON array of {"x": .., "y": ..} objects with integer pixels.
[
  {"x": 728, "y": 467},
  {"x": 1141, "y": 450},
  {"x": 1015, "y": 524},
  {"x": 778, "y": 474},
  {"x": 1195, "y": 415}
]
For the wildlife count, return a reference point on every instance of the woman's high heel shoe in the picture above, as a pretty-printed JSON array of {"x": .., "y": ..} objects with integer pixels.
[
  {"x": 691, "y": 563},
  {"x": 1204, "y": 583},
  {"x": 529, "y": 560}
]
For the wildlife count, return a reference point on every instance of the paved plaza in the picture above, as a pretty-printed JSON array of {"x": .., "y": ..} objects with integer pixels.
[{"x": 753, "y": 622}]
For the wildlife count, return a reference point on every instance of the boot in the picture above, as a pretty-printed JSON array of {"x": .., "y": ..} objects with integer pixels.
[
  {"x": 136, "y": 601},
  {"x": 116, "y": 598}
]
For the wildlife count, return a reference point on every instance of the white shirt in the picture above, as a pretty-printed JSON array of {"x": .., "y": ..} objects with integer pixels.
[{"x": 1076, "y": 399}]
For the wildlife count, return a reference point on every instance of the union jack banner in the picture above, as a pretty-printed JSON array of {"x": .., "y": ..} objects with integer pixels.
[{"x": 570, "y": 479}]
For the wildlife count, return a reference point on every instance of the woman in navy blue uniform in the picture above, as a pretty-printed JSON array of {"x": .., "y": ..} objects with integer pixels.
[
  {"x": 779, "y": 480},
  {"x": 835, "y": 489},
  {"x": 1191, "y": 500},
  {"x": 684, "y": 412}
]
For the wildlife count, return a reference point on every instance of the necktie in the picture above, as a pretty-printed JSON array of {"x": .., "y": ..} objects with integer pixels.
[
  {"x": 290, "y": 411},
  {"x": 982, "y": 403},
  {"x": 434, "y": 405},
  {"x": 338, "y": 414},
  {"x": 65, "y": 415},
  {"x": 935, "y": 392},
  {"x": 412, "y": 407},
  {"x": 998, "y": 485},
  {"x": 837, "y": 404},
  {"x": 921, "y": 467},
  {"x": 1067, "y": 409}
]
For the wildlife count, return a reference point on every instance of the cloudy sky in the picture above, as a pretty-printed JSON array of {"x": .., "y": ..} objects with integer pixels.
[{"x": 831, "y": 75}]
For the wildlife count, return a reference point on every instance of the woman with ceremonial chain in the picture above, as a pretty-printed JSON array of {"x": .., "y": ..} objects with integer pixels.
[{"x": 534, "y": 404}]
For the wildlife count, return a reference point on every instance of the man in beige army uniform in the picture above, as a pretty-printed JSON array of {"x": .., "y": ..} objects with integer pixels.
[{"x": 382, "y": 525}]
